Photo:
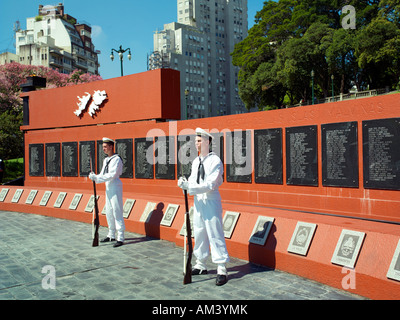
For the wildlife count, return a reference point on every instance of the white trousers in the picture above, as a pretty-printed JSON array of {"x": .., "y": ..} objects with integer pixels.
[
  {"x": 209, "y": 233},
  {"x": 115, "y": 218}
]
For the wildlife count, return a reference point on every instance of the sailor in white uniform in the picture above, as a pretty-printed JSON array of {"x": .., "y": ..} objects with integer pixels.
[
  {"x": 112, "y": 169},
  {"x": 203, "y": 183}
]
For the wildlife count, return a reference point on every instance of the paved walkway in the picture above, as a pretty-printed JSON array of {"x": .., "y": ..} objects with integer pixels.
[{"x": 47, "y": 258}]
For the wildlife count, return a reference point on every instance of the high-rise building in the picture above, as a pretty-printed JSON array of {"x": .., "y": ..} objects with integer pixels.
[
  {"x": 57, "y": 40},
  {"x": 199, "y": 46}
]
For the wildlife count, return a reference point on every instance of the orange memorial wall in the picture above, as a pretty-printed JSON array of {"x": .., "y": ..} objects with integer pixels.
[{"x": 329, "y": 174}]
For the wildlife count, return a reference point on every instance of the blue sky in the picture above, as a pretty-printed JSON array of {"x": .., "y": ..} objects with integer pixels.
[{"x": 130, "y": 23}]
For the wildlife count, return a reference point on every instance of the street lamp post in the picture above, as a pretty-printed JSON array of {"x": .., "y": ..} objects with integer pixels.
[
  {"x": 312, "y": 85},
  {"x": 121, "y": 56},
  {"x": 333, "y": 94},
  {"x": 186, "y": 102}
]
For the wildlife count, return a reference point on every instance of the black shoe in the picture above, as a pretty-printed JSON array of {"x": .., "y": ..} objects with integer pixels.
[
  {"x": 118, "y": 244},
  {"x": 196, "y": 272},
  {"x": 221, "y": 280},
  {"x": 107, "y": 239}
]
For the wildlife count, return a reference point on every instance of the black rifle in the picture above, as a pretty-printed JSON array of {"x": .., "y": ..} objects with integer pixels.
[
  {"x": 96, "y": 222},
  {"x": 187, "y": 265}
]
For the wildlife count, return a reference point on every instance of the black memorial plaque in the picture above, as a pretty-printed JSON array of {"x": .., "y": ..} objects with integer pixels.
[
  {"x": 302, "y": 156},
  {"x": 36, "y": 160},
  {"x": 187, "y": 152},
  {"x": 144, "y": 168},
  {"x": 238, "y": 156},
  {"x": 381, "y": 154},
  {"x": 70, "y": 159},
  {"x": 87, "y": 154},
  {"x": 53, "y": 166},
  {"x": 100, "y": 156},
  {"x": 165, "y": 157},
  {"x": 339, "y": 154},
  {"x": 124, "y": 147},
  {"x": 217, "y": 145},
  {"x": 268, "y": 161}
]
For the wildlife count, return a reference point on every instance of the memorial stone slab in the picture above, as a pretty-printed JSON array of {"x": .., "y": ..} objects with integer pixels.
[
  {"x": 268, "y": 161},
  {"x": 3, "y": 194},
  {"x": 53, "y": 165},
  {"x": 148, "y": 210},
  {"x": 165, "y": 157},
  {"x": 17, "y": 195},
  {"x": 31, "y": 196},
  {"x": 124, "y": 147},
  {"x": 70, "y": 159},
  {"x": 238, "y": 156},
  {"x": 45, "y": 198},
  {"x": 36, "y": 160},
  {"x": 302, "y": 237},
  {"x": 75, "y": 201},
  {"x": 229, "y": 223},
  {"x": 128, "y": 205},
  {"x": 90, "y": 204},
  {"x": 261, "y": 230},
  {"x": 100, "y": 156},
  {"x": 87, "y": 155},
  {"x": 347, "y": 248},
  {"x": 144, "y": 169},
  {"x": 60, "y": 199},
  {"x": 187, "y": 152},
  {"x": 302, "y": 156},
  {"x": 381, "y": 154},
  {"x": 339, "y": 154},
  {"x": 394, "y": 268},
  {"x": 183, "y": 229},
  {"x": 169, "y": 215}
]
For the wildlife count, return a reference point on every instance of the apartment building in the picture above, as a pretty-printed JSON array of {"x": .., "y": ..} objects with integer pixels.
[
  {"x": 57, "y": 40},
  {"x": 199, "y": 46}
]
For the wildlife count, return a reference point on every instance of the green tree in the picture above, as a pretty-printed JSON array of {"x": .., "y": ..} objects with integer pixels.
[{"x": 291, "y": 38}]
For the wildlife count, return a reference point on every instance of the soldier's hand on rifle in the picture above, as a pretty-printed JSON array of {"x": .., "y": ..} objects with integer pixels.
[
  {"x": 92, "y": 176},
  {"x": 183, "y": 183}
]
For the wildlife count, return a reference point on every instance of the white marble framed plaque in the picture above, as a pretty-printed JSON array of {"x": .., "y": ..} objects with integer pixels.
[
  {"x": 60, "y": 200},
  {"x": 45, "y": 198},
  {"x": 348, "y": 248},
  {"x": 31, "y": 196},
  {"x": 261, "y": 230},
  {"x": 229, "y": 223},
  {"x": 128, "y": 205},
  {"x": 75, "y": 201},
  {"x": 17, "y": 195},
  {"x": 183, "y": 229},
  {"x": 3, "y": 194},
  {"x": 90, "y": 204},
  {"x": 301, "y": 238},
  {"x": 169, "y": 215},
  {"x": 394, "y": 268},
  {"x": 150, "y": 207}
]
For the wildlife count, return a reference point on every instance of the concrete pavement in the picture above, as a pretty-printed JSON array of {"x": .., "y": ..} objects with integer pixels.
[{"x": 44, "y": 258}]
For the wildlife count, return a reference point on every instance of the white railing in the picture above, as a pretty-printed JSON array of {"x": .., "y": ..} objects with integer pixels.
[{"x": 342, "y": 97}]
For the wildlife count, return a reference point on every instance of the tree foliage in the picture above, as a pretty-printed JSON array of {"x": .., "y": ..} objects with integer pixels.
[
  {"x": 12, "y": 75},
  {"x": 291, "y": 38}
]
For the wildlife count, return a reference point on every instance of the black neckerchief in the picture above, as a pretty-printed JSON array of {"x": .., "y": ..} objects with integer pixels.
[
  {"x": 200, "y": 169},
  {"x": 108, "y": 162}
]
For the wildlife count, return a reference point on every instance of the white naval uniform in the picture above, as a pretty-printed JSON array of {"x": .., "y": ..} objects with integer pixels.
[
  {"x": 207, "y": 216},
  {"x": 114, "y": 203}
]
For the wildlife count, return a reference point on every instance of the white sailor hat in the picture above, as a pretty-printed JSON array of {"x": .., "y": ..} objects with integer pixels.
[
  {"x": 202, "y": 133},
  {"x": 105, "y": 139}
]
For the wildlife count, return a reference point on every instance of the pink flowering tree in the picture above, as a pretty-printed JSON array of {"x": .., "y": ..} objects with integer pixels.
[{"x": 12, "y": 75}]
